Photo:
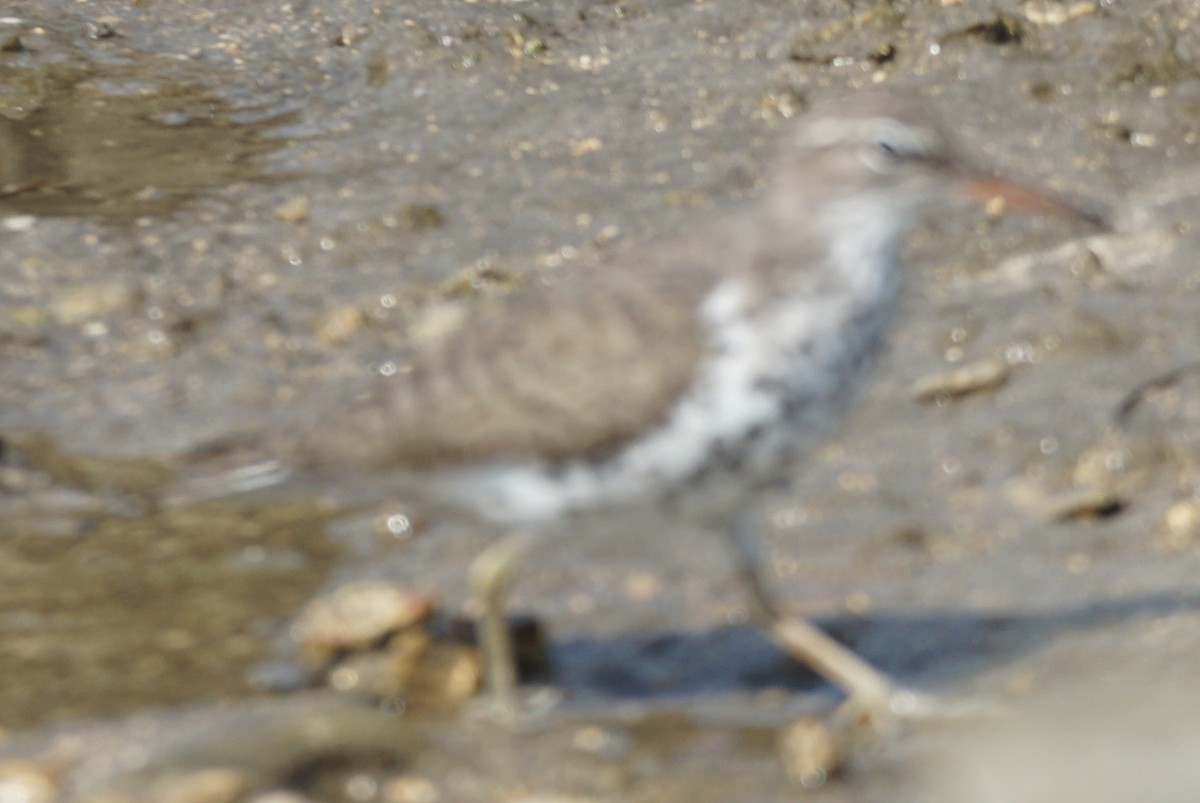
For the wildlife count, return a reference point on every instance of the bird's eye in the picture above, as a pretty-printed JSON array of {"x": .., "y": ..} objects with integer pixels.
[
  {"x": 882, "y": 156},
  {"x": 889, "y": 149}
]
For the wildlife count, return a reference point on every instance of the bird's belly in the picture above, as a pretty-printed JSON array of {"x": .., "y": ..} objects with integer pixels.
[{"x": 741, "y": 423}]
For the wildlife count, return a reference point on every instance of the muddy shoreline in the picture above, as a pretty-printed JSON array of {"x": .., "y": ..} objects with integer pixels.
[{"x": 212, "y": 215}]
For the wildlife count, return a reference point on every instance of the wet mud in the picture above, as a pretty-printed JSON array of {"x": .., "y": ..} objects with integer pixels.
[{"x": 212, "y": 214}]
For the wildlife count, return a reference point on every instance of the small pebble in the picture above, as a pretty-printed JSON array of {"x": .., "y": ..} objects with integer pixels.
[
  {"x": 1055, "y": 12},
  {"x": 82, "y": 304},
  {"x": 974, "y": 377},
  {"x": 1182, "y": 523},
  {"x": 18, "y": 223},
  {"x": 340, "y": 324},
  {"x": 410, "y": 789},
  {"x": 1064, "y": 506},
  {"x": 293, "y": 210},
  {"x": 809, "y": 752},
  {"x": 581, "y": 147},
  {"x": 213, "y": 785}
]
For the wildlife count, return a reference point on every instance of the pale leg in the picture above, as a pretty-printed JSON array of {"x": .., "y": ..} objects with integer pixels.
[
  {"x": 868, "y": 689},
  {"x": 490, "y": 574}
]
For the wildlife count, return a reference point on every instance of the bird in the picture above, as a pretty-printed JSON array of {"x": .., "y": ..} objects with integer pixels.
[{"x": 685, "y": 374}]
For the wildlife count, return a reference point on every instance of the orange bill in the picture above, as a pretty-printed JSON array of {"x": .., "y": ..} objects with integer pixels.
[{"x": 990, "y": 190}]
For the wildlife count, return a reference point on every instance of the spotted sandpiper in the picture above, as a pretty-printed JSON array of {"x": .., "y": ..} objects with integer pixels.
[{"x": 690, "y": 372}]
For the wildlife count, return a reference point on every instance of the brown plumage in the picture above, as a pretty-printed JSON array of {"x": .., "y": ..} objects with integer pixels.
[{"x": 564, "y": 370}]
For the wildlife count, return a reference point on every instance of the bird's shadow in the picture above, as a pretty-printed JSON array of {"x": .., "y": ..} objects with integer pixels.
[{"x": 925, "y": 651}]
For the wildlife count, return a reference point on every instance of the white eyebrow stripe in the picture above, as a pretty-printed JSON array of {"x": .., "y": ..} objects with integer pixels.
[{"x": 825, "y": 132}]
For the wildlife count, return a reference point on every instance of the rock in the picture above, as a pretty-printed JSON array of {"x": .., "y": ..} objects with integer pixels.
[
  {"x": 293, "y": 210},
  {"x": 1050, "y": 13},
  {"x": 354, "y": 617},
  {"x": 809, "y": 751},
  {"x": 340, "y": 324},
  {"x": 1182, "y": 523},
  {"x": 26, "y": 782},
  {"x": 83, "y": 304},
  {"x": 1085, "y": 503},
  {"x": 212, "y": 785},
  {"x": 971, "y": 378}
]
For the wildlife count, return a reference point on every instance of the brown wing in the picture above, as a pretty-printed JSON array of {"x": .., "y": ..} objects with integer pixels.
[{"x": 568, "y": 369}]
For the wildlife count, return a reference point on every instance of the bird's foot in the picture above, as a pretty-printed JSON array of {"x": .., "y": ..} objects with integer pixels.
[{"x": 816, "y": 748}]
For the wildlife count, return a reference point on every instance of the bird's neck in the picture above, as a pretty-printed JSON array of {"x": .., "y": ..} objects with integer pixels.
[
  {"x": 864, "y": 242},
  {"x": 843, "y": 246}
]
